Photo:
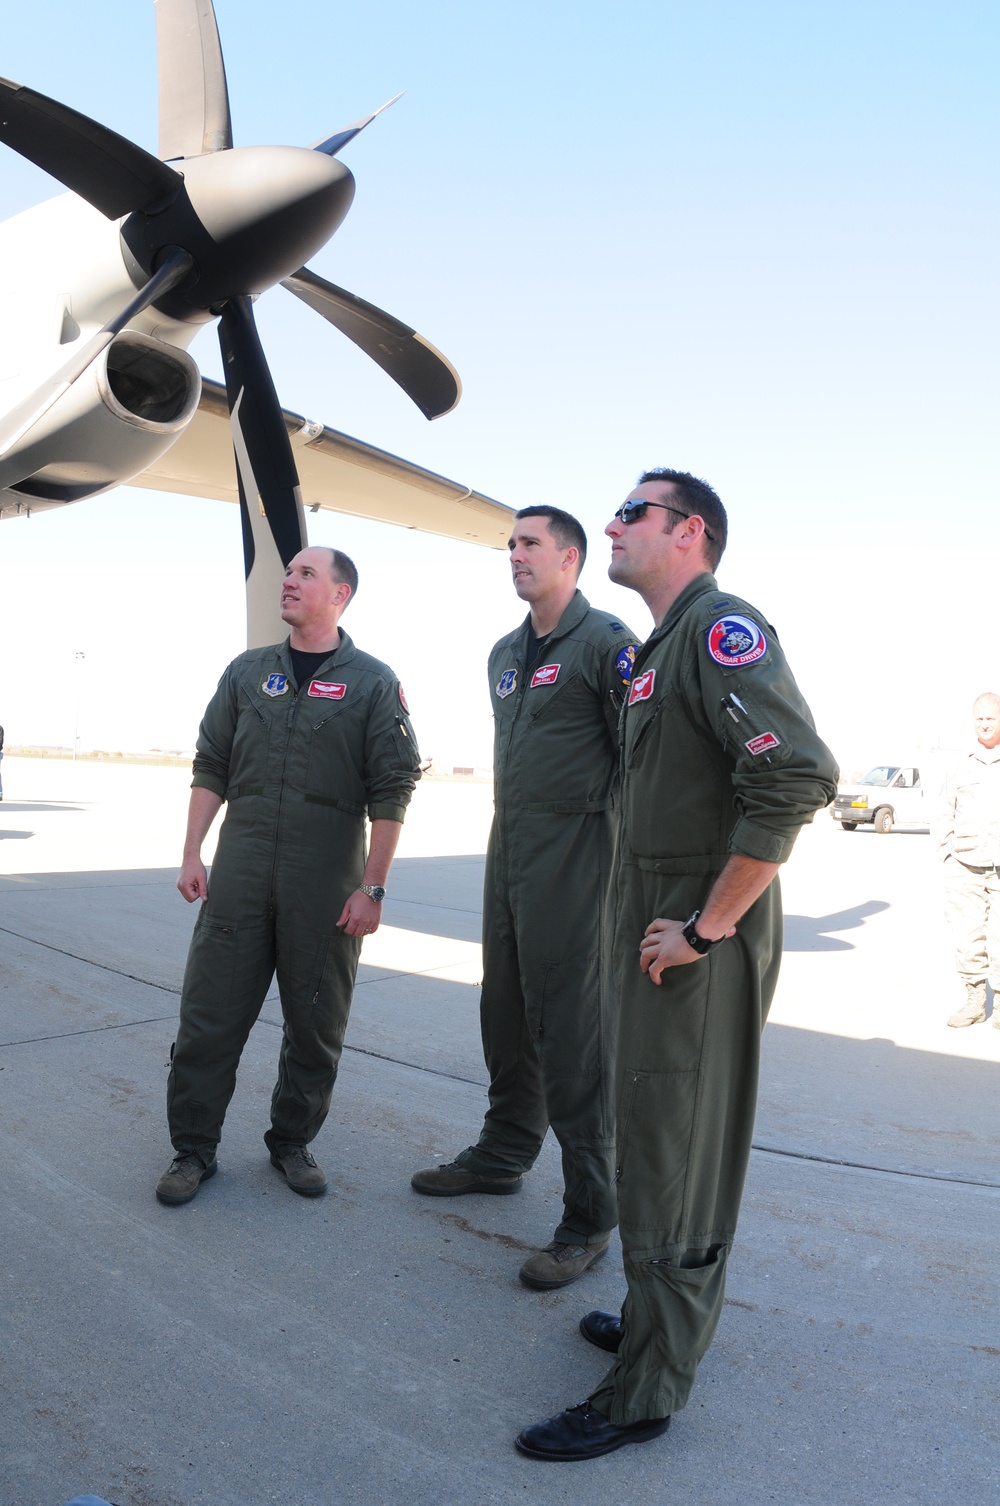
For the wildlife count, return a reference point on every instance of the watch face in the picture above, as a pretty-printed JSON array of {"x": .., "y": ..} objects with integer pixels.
[{"x": 376, "y": 891}]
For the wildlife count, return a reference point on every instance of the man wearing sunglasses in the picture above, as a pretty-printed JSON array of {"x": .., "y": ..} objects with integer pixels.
[
  {"x": 721, "y": 767},
  {"x": 558, "y": 683}
]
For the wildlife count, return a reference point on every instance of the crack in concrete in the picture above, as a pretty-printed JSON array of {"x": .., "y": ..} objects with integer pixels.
[{"x": 769, "y": 1150}]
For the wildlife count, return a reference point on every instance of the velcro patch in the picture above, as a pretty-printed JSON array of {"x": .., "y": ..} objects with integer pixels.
[
  {"x": 734, "y": 641},
  {"x": 326, "y": 690},
  {"x": 548, "y": 674},
  {"x": 403, "y": 701},
  {"x": 642, "y": 688},
  {"x": 625, "y": 663},
  {"x": 763, "y": 742}
]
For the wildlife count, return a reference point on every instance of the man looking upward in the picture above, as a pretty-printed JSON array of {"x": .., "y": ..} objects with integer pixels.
[
  {"x": 557, "y": 684},
  {"x": 302, "y": 740},
  {"x": 721, "y": 767}
]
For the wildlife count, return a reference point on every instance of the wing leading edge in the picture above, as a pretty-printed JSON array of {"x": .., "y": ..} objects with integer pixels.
[{"x": 336, "y": 473}]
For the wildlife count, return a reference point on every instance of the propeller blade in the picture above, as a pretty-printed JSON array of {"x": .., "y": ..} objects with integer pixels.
[
  {"x": 412, "y": 362},
  {"x": 331, "y": 145},
  {"x": 274, "y": 526},
  {"x": 194, "y": 100},
  {"x": 113, "y": 174},
  {"x": 19, "y": 420}
]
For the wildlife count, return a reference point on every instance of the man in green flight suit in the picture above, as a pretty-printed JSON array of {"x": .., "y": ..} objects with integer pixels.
[
  {"x": 302, "y": 740},
  {"x": 721, "y": 767},
  {"x": 558, "y": 684}
]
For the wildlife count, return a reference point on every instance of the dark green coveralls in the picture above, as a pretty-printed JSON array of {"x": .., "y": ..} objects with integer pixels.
[
  {"x": 719, "y": 758},
  {"x": 299, "y": 770},
  {"x": 546, "y": 1013}
]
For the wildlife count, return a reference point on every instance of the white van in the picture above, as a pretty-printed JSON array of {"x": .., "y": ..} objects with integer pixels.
[{"x": 889, "y": 795}]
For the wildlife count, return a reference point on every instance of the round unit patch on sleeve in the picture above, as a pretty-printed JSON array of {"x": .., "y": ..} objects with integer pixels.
[
  {"x": 625, "y": 663},
  {"x": 734, "y": 641},
  {"x": 403, "y": 701}
]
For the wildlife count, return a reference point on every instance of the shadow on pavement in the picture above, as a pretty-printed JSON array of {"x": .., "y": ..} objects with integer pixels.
[
  {"x": 810, "y": 933},
  {"x": 374, "y": 1345},
  {"x": 35, "y": 807}
]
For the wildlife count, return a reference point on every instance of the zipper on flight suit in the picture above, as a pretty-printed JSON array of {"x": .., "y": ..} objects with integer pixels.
[
  {"x": 289, "y": 727},
  {"x": 633, "y": 1088}
]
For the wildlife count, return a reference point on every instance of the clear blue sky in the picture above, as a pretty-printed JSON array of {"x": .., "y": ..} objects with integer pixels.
[{"x": 753, "y": 240}]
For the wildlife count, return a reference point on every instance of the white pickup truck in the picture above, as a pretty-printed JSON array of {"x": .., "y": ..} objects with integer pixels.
[{"x": 889, "y": 795}]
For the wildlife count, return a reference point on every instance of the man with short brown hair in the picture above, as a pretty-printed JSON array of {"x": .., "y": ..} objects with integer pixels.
[
  {"x": 557, "y": 684},
  {"x": 721, "y": 767},
  {"x": 302, "y": 740}
]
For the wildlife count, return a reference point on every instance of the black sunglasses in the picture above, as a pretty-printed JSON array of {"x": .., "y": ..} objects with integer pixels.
[{"x": 631, "y": 512}]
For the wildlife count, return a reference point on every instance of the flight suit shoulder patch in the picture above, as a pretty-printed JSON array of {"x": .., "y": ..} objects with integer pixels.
[
  {"x": 625, "y": 663},
  {"x": 735, "y": 641}
]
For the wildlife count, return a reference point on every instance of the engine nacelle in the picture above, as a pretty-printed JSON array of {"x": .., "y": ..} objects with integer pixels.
[{"x": 121, "y": 415}]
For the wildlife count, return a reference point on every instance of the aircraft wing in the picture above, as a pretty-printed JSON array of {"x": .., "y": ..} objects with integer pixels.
[{"x": 336, "y": 472}]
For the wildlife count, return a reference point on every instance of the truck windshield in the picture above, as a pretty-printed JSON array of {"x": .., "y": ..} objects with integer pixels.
[{"x": 881, "y": 775}]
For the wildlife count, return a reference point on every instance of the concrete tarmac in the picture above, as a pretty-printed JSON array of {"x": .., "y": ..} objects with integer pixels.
[{"x": 375, "y": 1346}]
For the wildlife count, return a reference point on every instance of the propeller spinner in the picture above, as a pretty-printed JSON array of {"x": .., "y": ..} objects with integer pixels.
[{"x": 199, "y": 241}]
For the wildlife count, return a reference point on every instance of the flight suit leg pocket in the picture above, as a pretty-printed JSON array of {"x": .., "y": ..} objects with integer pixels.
[
  {"x": 230, "y": 967},
  {"x": 656, "y": 1112},
  {"x": 687, "y": 1303}
]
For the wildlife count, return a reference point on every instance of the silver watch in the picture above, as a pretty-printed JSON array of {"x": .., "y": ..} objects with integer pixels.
[{"x": 373, "y": 891}]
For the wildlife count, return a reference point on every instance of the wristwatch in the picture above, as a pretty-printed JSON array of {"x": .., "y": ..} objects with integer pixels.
[
  {"x": 700, "y": 944},
  {"x": 373, "y": 891}
]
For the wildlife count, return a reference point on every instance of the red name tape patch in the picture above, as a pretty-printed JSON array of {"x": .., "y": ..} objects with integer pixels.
[
  {"x": 327, "y": 690},
  {"x": 763, "y": 742},
  {"x": 547, "y": 675}
]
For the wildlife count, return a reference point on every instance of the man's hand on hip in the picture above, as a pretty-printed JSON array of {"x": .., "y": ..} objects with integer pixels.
[{"x": 664, "y": 946}]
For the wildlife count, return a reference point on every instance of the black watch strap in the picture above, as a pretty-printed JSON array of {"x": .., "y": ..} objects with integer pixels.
[{"x": 700, "y": 944}]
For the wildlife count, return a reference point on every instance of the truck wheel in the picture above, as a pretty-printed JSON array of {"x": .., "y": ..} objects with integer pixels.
[
  {"x": 883, "y": 820},
  {"x": 849, "y": 825}
]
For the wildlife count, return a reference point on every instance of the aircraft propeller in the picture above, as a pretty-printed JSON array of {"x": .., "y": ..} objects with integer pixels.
[{"x": 199, "y": 241}]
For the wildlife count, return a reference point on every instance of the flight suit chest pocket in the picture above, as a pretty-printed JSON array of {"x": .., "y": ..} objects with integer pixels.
[
  {"x": 541, "y": 698},
  {"x": 330, "y": 735},
  {"x": 318, "y": 715},
  {"x": 252, "y": 737},
  {"x": 643, "y": 720}
]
